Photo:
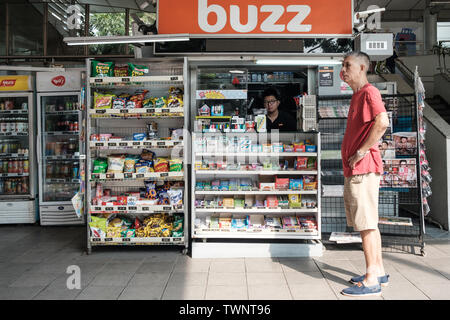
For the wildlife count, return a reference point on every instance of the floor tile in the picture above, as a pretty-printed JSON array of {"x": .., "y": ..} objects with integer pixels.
[
  {"x": 435, "y": 291},
  {"x": 227, "y": 279},
  {"x": 182, "y": 279},
  {"x": 119, "y": 267},
  {"x": 188, "y": 292},
  {"x": 149, "y": 279},
  {"x": 57, "y": 294},
  {"x": 266, "y": 278},
  {"x": 401, "y": 290},
  {"x": 100, "y": 293},
  {"x": 33, "y": 280},
  {"x": 263, "y": 267},
  {"x": 220, "y": 266},
  {"x": 317, "y": 290},
  {"x": 192, "y": 266},
  {"x": 150, "y": 267},
  {"x": 107, "y": 279},
  {"x": 19, "y": 293},
  {"x": 269, "y": 292},
  {"x": 295, "y": 265},
  {"x": 214, "y": 292},
  {"x": 296, "y": 278},
  {"x": 142, "y": 293}
]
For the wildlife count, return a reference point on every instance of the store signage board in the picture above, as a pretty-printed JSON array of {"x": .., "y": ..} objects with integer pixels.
[
  {"x": 58, "y": 81},
  {"x": 265, "y": 18},
  {"x": 15, "y": 83},
  {"x": 326, "y": 75}
]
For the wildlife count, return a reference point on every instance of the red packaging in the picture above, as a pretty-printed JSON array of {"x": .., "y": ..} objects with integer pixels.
[
  {"x": 282, "y": 183},
  {"x": 272, "y": 202},
  {"x": 299, "y": 147},
  {"x": 302, "y": 163}
]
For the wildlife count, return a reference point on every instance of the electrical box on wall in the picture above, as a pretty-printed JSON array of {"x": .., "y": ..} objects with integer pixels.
[{"x": 379, "y": 46}]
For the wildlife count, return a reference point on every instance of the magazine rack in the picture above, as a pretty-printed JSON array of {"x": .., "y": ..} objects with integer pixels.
[{"x": 401, "y": 197}]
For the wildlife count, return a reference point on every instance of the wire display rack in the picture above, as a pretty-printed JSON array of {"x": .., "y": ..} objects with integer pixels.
[{"x": 399, "y": 198}]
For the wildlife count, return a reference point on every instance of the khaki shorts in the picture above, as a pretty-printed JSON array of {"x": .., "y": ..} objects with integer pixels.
[{"x": 361, "y": 201}]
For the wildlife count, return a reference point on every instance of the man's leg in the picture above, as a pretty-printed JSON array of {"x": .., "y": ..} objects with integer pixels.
[
  {"x": 371, "y": 247},
  {"x": 380, "y": 265}
]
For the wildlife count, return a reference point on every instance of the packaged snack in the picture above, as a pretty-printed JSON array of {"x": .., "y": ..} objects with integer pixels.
[
  {"x": 147, "y": 155},
  {"x": 310, "y": 148},
  {"x": 132, "y": 200},
  {"x": 273, "y": 223},
  {"x": 114, "y": 232},
  {"x": 152, "y": 130},
  {"x": 224, "y": 185},
  {"x": 130, "y": 162},
  {"x": 104, "y": 136},
  {"x": 142, "y": 166},
  {"x": 138, "y": 136},
  {"x": 102, "y": 69},
  {"x": 267, "y": 186},
  {"x": 307, "y": 223},
  {"x": 175, "y": 165},
  {"x": 288, "y": 148},
  {"x": 97, "y": 232},
  {"x": 136, "y": 101},
  {"x": 119, "y": 103},
  {"x": 301, "y": 163},
  {"x": 177, "y": 230},
  {"x": 312, "y": 163},
  {"x": 175, "y": 92},
  {"x": 121, "y": 71},
  {"x": 148, "y": 103},
  {"x": 199, "y": 185},
  {"x": 239, "y": 223},
  {"x": 228, "y": 202},
  {"x": 256, "y": 221},
  {"x": 103, "y": 101},
  {"x": 100, "y": 165},
  {"x": 161, "y": 165},
  {"x": 128, "y": 233},
  {"x": 137, "y": 70},
  {"x": 299, "y": 147},
  {"x": 99, "y": 191},
  {"x": 116, "y": 223},
  {"x": 290, "y": 223},
  {"x": 295, "y": 201},
  {"x": 174, "y": 102},
  {"x": 150, "y": 190},
  {"x": 116, "y": 163},
  {"x": 215, "y": 185},
  {"x": 217, "y": 110},
  {"x": 272, "y": 202},
  {"x": 281, "y": 183},
  {"x": 175, "y": 196},
  {"x": 99, "y": 223},
  {"x": 309, "y": 178},
  {"x": 296, "y": 184},
  {"x": 310, "y": 186},
  {"x": 224, "y": 222},
  {"x": 161, "y": 103},
  {"x": 239, "y": 203},
  {"x": 277, "y": 147}
]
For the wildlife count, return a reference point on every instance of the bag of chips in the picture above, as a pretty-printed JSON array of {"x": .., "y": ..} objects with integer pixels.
[
  {"x": 121, "y": 71},
  {"x": 130, "y": 162},
  {"x": 148, "y": 103},
  {"x": 175, "y": 165},
  {"x": 119, "y": 103},
  {"x": 102, "y": 69},
  {"x": 136, "y": 101},
  {"x": 116, "y": 163},
  {"x": 160, "y": 102},
  {"x": 147, "y": 155},
  {"x": 137, "y": 70},
  {"x": 103, "y": 101},
  {"x": 100, "y": 165},
  {"x": 161, "y": 165},
  {"x": 175, "y": 196}
]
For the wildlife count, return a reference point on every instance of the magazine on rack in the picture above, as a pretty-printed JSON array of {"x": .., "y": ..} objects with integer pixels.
[
  {"x": 405, "y": 143},
  {"x": 399, "y": 173},
  {"x": 395, "y": 221},
  {"x": 345, "y": 237}
]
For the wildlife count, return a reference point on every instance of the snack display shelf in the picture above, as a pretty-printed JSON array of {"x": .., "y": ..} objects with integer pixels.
[
  {"x": 12, "y": 175},
  {"x": 256, "y": 233},
  {"x": 136, "y": 176},
  {"x": 256, "y": 172},
  {"x": 135, "y": 241},
  {"x": 273, "y": 192},
  {"x": 13, "y": 155},
  {"x": 136, "y": 144},
  {"x": 155, "y": 124},
  {"x": 135, "y": 209},
  {"x": 126, "y": 81},
  {"x": 256, "y": 210},
  {"x": 256, "y": 154}
]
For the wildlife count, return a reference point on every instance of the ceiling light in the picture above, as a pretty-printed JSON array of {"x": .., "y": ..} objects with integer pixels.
[
  {"x": 80, "y": 41},
  {"x": 298, "y": 62},
  {"x": 237, "y": 71}
]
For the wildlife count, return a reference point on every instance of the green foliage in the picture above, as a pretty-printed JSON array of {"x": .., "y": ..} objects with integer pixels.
[{"x": 107, "y": 24}]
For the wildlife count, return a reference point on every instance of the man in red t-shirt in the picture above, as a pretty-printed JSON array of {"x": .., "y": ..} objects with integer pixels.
[{"x": 361, "y": 159}]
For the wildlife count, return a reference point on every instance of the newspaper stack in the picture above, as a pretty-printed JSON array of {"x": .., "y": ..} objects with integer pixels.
[
  {"x": 345, "y": 237},
  {"x": 332, "y": 190}
]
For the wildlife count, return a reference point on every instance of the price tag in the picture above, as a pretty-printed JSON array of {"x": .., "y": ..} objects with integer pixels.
[
  {"x": 162, "y": 143},
  {"x": 167, "y": 208},
  {"x": 150, "y": 110},
  {"x": 123, "y": 144},
  {"x": 145, "y": 208},
  {"x": 108, "y": 239},
  {"x": 4, "y": 174},
  {"x": 147, "y": 143},
  {"x": 98, "y": 208},
  {"x": 128, "y": 175},
  {"x": 136, "y": 143},
  {"x": 165, "y": 239},
  {"x": 122, "y": 208},
  {"x": 9, "y": 155},
  {"x": 139, "y": 175},
  {"x": 290, "y": 230},
  {"x": 165, "y": 110},
  {"x": 164, "y": 174},
  {"x": 123, "y": 110},
  {"x": 98, "y": 80},
  {"x": 112, "y": 144},
  {"x": 100, "y": 111},
  {"x": 173, "y": 78},
  {"x": 132, "y": 208},
  {"x": 95, "y": 176},
  {"x": 126, "y": 239},
  {"x": 177, "y": 239},
  {"x": 109, "y": 208},
  {"x": 96, "y": 239},
  {"x": 99, "y": 144},
  {"x": 110, "y": 176},
  {"x": 20, "y": 174},
  {"x": 126, "y": 79}
]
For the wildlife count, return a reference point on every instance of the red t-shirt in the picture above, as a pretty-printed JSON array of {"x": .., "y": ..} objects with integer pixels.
[{"x": 366, "y": 104}]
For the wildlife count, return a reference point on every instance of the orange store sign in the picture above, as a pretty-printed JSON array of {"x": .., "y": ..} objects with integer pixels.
[
  {"x": 15, "y": 83},
  {"x": 244, "y": 18}
]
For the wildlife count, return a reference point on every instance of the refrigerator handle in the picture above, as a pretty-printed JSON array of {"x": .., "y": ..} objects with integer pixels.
[{"x": 38, "y": 147}]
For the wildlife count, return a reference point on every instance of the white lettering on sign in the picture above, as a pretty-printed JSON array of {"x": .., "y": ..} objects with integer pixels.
[
  {"x": 74, "y": 17},
  {"x": 7, "y": 83},
  {"x": 268, "y": 25}
]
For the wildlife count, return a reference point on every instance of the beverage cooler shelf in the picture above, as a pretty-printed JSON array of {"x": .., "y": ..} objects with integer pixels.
[
  {"x": 14, "y": 134},
  {"x": 256, "y": 172},
  {"x": 13, "y": 175},
  {"x": 66, "y": 157},
  {"x": 13, "y": 155},
  {"x": 21, "y": 112}
]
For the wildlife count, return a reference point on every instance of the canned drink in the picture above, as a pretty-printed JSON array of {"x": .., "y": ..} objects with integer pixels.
[
  {"x": 7, "y": 186},
  {"x": 20, "y": 166},
  {"x": 5, "y": 166},
  {"x": 71, "y": 126},
  {"x": 26, "y": 166},
  {"x": 15, "y": 166},
  {"x": 49, "y": 171},
  {"x": 75, "y": 126}
]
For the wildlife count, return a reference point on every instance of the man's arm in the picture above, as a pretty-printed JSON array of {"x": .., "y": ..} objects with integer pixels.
[{"x": 377, "y": 131}]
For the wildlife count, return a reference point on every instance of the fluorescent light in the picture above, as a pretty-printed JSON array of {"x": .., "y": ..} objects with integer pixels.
[
  {"x": 237, "y": 71},
  {"x": 298, "y": 62},
  {"x": 80, "y": 41}
]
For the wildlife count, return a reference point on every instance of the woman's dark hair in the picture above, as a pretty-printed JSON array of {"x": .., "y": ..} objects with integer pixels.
[{"x": 271, "y": 92}]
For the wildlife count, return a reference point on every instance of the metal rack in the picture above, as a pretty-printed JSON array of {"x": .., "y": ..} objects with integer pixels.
[
  {"x": 395, "y": 201},
  {"x": 163, "y": 74},
  {"x": 252, "y": 241}
]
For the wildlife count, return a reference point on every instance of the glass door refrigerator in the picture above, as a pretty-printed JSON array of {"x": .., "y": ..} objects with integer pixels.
[
  {"x": 17, "y": 165},
  {"x": 60, "y": 159}
]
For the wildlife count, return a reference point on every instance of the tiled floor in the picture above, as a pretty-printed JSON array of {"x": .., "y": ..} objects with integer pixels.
[{"x": 34, "y": 260}]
